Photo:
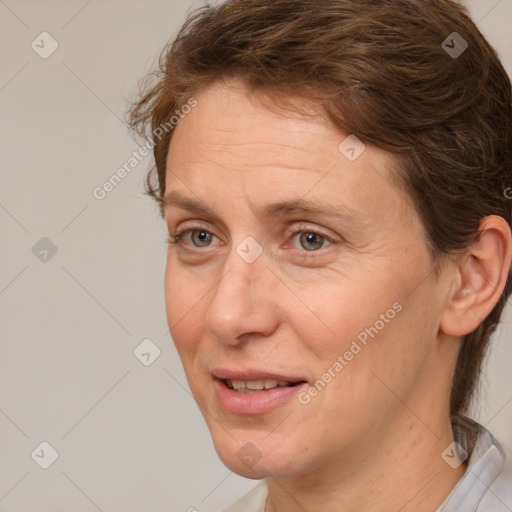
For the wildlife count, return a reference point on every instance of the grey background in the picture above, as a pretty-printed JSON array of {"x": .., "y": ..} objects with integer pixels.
[{"x": 129, "y": 436}]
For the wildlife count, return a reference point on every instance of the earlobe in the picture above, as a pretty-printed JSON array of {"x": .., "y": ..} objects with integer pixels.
[{"x": 482, "y": 275}]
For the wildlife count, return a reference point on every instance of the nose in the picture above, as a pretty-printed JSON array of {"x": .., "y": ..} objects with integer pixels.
[{"x": 243, "y": 303}]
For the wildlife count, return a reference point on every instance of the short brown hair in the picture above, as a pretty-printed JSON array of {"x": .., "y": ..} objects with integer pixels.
[{"x": 379, "y": 70}]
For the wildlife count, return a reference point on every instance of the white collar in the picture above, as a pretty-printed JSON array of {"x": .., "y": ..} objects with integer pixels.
[{"x": 484, "y": 465}]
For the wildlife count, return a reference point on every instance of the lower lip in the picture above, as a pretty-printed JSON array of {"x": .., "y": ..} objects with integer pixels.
[{"x": 254, "y": 403}]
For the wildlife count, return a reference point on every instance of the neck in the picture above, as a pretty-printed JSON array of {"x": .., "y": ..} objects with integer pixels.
[{"x": 390, "y": 478}]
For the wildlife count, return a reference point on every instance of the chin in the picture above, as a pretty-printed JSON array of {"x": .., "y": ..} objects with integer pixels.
[
  {"x": 255, "y": 473},
  {"x": 255, "y": 457}
]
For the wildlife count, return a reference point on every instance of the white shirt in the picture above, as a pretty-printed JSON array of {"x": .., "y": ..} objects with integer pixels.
[{"x": 486, "y": 486}]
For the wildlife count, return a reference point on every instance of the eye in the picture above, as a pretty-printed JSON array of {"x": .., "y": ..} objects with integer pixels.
[
  {"x": 311, "y": 240},
  {"x": 199, "y": 237}
]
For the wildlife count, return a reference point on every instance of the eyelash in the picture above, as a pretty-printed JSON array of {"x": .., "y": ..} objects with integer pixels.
[{"x": 177, "y": 238}]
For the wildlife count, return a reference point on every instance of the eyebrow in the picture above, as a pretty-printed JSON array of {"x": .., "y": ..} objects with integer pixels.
[{"x": 175, "y": 199}]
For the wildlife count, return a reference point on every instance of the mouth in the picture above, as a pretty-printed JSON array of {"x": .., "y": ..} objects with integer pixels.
[
  {"x": 254, "y": 392},
  {"x": 258, "y": 386}
]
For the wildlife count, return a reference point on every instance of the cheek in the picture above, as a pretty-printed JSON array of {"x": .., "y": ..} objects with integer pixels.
[
  {"x": 362, "y": 331},
  {"x": 335, "y": 315},
  {"x": 183, "y": 309},
  {"x": 379, "y": 354},
  {"x": 183, "y": 289}
]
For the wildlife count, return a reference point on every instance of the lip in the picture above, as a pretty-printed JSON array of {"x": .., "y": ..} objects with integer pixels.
[
  {"x": 222, "y": 374},
  {"x": 262, "y": 402}
]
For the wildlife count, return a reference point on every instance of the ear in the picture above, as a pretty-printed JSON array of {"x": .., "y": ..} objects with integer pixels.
[{"x": 482, "y": 273}]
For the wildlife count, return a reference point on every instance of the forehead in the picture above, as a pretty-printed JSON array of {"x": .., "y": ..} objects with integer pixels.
[
  {"x": 231, "y": 144},
  {"x": 232, "y": 121}
]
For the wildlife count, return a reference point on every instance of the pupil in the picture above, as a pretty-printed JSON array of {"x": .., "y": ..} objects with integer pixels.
[
  {"x": 203, "y": 236},
  {"x": 312, "y": 239}
]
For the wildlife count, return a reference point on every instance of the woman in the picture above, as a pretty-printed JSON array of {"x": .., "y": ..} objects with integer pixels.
[{"x": 340, "y": 245}]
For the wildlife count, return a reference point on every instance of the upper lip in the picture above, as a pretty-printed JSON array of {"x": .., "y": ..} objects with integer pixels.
[{"x": 251, "y": 375}]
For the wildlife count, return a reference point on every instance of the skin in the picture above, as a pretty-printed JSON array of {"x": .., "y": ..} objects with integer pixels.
[{"x": 372, "y": 438}]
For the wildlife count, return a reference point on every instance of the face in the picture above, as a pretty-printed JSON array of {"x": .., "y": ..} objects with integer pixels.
[{"x": 299, "y": 268}]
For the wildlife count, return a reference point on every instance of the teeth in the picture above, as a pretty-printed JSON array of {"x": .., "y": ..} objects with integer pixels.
[
  {"x": 270, "y": 383},
  {"x": 237, "y": 384},
  {"x": 255, "y": 385}
]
